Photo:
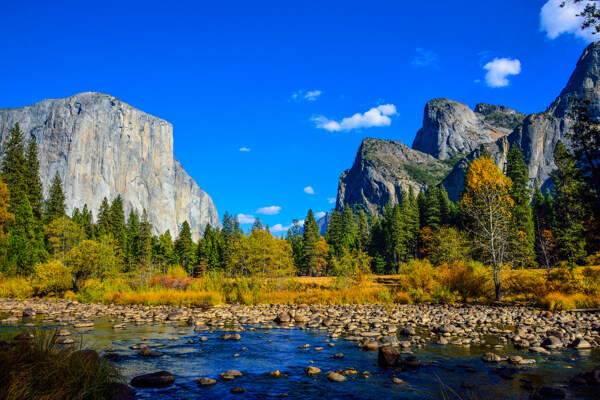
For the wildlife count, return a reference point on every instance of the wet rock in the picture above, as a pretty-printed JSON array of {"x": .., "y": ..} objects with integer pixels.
[
  {"x": 156, "y": 379},
  {"x": 580, "y": 344},
  {"x": 411, "y": 362},
  {"x": 398, "y": 381},
  {"x": 552, "y": 392},
  {"x": 312, "y": 371},
  {"x": 231, "y": 375},
  {"x": 552, "y": 342},
  {"x": 538, "y": 350},
  {"x": 205, "y": 381},
  {"x": 335, "y": 377},
  {"x": 408, "y": 331},
  {"x": 114, "y": 357},
  {"x": 338, "y": 355},
  {"x": 491, "y": 358},
  {"x": 389, "y": 357},
  {"x": 229, "y": 336},
  {"x": 515, "y": 359},
  {"x": 123, "y": 392}
]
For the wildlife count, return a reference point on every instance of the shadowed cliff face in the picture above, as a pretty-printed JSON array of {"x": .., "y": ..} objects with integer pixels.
[
  {"x": 452, "y": 130},
  {"x": 382, "y": 170},
  {"x": 102, "y": 147}
]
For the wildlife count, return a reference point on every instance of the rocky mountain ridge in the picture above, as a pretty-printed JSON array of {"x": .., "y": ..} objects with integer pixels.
[
  {"x": 454, "y": 134},
  {"x": 102, "y": 147}
]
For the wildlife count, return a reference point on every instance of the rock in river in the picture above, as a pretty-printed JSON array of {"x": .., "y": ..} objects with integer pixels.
[
  {"x": 389, "y": 357},
  {"x": 155, "y": 379}
]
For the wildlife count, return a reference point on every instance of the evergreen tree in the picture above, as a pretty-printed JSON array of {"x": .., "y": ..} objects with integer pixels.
[
  {"x": 165, "y": 253},
  {"x": 447, "y": 211},
  {"x": 55, "y": 204},
  {"x": 570, "y": 206},
  {"x": 230, "y": 234},
  {"x": 294, "y": 238},
  {"x": 133, "y": 238},
  {"x": 32, "y": 179},
  {"x": 25, "y": 247},
  {"x": 517, "y": 171},
  {"x": 377, "y": 246},
  {"x": 362, "y": 232},
  {"x": 87, "y": 222},
  {"x": 257, "y": 224},
  {"x": 14, "y": 167},
  {"x": 184, "y": 246},
  {"x": 410, "y": 210},
  {"x": 335, "y": 233},
  {"x": 349, "y": 229},
  {"x": 422, "y": 206},
  {"x": 209, "y": 250},
  {"x": 432, "y": 212},
  {"x": 310, "y": 239},
  {"x": 118, "y": 228},
  {"x": 397, "y": 249},
  {"x": 145, "y": 237},
  {"x": 543, "y": 221},
  {"x": 103, "y": 224}
]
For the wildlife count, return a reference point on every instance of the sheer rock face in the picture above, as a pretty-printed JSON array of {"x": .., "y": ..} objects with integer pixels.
[
  {"x": 382, "y": 170},
  {"x": 102, "y": 147},
  {"x": 452, "y": 128}
]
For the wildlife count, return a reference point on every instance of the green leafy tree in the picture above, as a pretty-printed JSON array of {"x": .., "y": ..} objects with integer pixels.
[
  {"x": 571, "y": 198},
  {"x": 55, "y": 204},
  {"x": 518, "y": 173},
  {"x": 92, "y": 259},
  {"x": 62, "y": 235}
]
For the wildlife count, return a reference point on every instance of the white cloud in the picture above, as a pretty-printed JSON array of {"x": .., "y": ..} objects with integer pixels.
[
  {"x": 246, "y": 219},
  {"x": 279, "y": 228},
  {"x": 331, "y": 200},
  {"x": 425, "y": 58},
  {"x": 311, "y": 95},
  {"x": 245, "y": 149},
  {"x": 376, "y": 116},
  {"x": 499, "y": 70},
  {"x": 319, "y": 215},
  {"x": 309, "y": 190},
  {"x": 555, "y": 20},
  {"x": 271, "y": 210}
]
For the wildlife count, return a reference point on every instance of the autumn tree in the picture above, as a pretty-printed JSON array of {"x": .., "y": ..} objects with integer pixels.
[
  {"x": 14, "y": 166},
  {"x": 486, "y": 207},
  {"x": 91, "y": 259},
  {"x": 62, "y": 235},
  {"x": 6, "y": 221}
]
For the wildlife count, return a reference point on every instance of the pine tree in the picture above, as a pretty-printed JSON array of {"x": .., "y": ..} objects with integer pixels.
[
  {"x": 422, "y": 206},
  {"x": 145, "y": 237},
  {"x": 570, "y": 202},
  {"x": 55, "y": 204},
  {"x": 447, "y": 211},
  {"x": 184, "y": 246},
  {"x": 103, "y": 224},
  {"x": 133, "y": 239},
  {"x": 377, "y": 246},
  {"x": 14, "y": 167},
  {"x": 294, "y": 239},
  {"x": 209, "y": 249},
  {"x": 517, "y": 171},
  {"x": 25, "y": 248},
  {"x": 310, "y": 238},
  {"x": 118, "y": 227},
  {"x": 397, "y": 249},
  {"x": 87, "y": 222},
  {"x": 349, "y": 229},
  {"x": 362, "y": 232},
  {"x": 410, "y": 210},
  {"x": 335, "y": 233},
  {"x": 33, "y": 181},
  {"x": 543, "y": 222},
  {"x": 432, "y": 208},
  {"x": 165, "y": 252}
]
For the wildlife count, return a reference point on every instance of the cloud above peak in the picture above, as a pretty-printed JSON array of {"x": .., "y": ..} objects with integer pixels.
[
  {"x": 425, "y": 58},
  {"x": 499, "y": 70},
  {"x": 376, "y": 117},
  {"x": 556, "y": 20}
]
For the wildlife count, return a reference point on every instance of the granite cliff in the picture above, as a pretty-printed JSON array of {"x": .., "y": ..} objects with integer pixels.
[
  {"x": 453, "y": 135},
  {"x": 102, "y": 147}
]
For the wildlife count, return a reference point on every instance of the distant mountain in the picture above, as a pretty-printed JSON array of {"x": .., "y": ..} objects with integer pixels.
[
  {"x": 453, "y": 135},
  {"x": 102, "y": 147}
]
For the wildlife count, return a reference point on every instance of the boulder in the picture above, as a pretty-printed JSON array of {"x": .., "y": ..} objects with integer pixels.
[
  {"x": 389, "y": 357},
  {"x": 155, "y": 379}
]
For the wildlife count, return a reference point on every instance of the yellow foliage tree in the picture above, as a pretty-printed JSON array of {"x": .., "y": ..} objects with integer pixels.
[
  {"x": 6, "y": 220},
  {"x": 486, "y": 208},
  {"x": 262, "y": 254},
  {"x": 62, "y": 235},
  {"x": 90, "y": 259},
  {"x": 322, "y": 257}
]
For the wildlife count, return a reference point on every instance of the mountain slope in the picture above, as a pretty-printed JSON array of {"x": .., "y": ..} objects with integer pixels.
[{"x": 102, "y": 147}]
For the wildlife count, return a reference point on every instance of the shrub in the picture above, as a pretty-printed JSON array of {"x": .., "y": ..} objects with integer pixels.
[
  {"x": 176, "y": 272},
  {"x": 19, "y": 287},
  {"x": 402, "y": 298},
  {"x": 467, "y": 280},
  {"x": 51, "y": 277},
  {"x": 418, "y": 275},
  {"x": 43, "y": 369}
]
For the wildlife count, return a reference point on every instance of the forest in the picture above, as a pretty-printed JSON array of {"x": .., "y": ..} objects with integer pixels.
[{"x": 499, "y": 226}]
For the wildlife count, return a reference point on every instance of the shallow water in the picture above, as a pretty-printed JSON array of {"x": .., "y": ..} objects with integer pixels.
[{"x": 449, "y": 364}]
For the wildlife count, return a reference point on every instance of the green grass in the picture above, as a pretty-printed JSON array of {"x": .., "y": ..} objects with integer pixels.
[{"x": 43, "y": 369}]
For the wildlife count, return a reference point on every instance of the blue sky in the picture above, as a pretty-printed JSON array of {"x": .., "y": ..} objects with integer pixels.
[{"x": 270, "y": 100}]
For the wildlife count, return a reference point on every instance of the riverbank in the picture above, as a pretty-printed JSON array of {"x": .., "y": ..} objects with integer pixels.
[{"x": 486, "y": 343}]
